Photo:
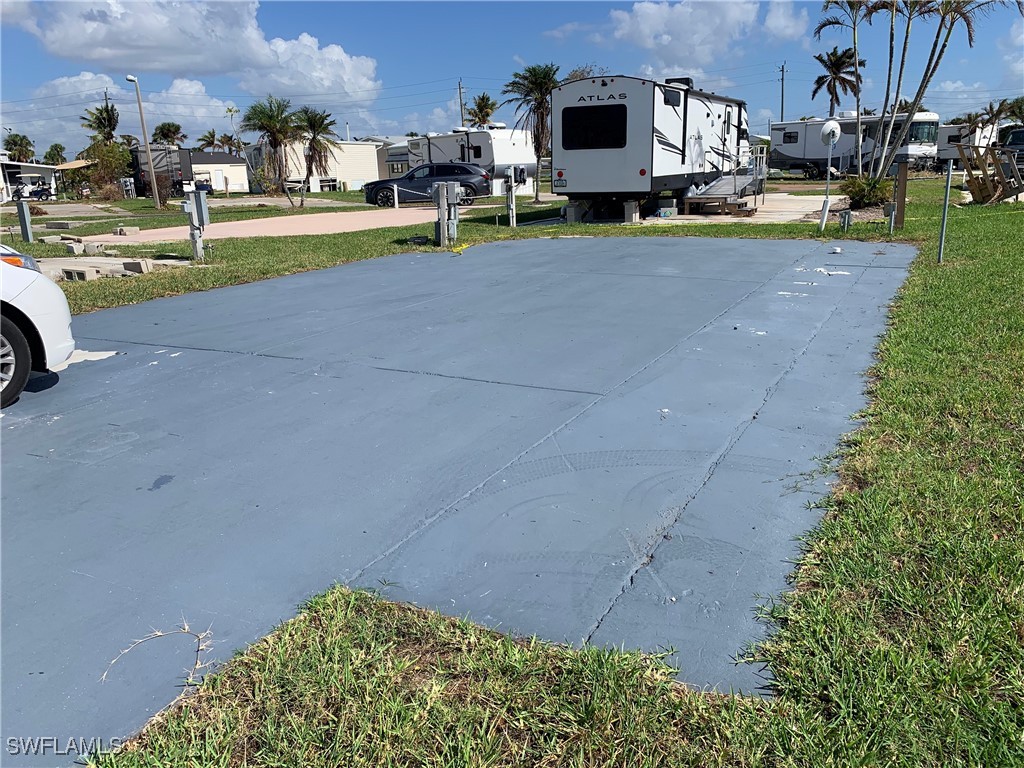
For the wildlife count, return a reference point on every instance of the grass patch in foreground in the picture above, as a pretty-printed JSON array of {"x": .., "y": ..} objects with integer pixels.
[
  {"x": 356, "y": 680},
  {"x": 902, "y": 643}
]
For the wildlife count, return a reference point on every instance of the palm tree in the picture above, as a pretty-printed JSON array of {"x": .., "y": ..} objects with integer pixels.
[
  {"x": 208, "y": 141},
  {"x": 19, "y": 147},
  {"x": 530, "y": 92},
  {"x": 851, "y": 13},
  {"x": 1015, "y": 109},
  {"x": 229, "y": 144},
  {"x": 168, "y": 133},
  {"x": 840, "y": 75},
  {"x": 951, "y": 14},
  {"x": 102, "y": 121},
  {"x": 55, "y": 155},
  {"x": 129, "y": 141},
  {"x": 909, "y": 10},
  {"x": 993, "y": 113},
  {"x": 274, "y": 121},
  {"x": 482, "y": 110},
  {"x": 317, "y": 130}
]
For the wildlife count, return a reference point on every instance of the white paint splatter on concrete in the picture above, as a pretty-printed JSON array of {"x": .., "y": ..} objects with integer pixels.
[
  {"x": 790, "y": 293},
  {"x": 82, "y": 356},
  {"x": 824, "y": 271}
]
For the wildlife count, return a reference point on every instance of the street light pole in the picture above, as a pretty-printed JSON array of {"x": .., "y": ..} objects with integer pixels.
[{"x": 145, "y": 138}]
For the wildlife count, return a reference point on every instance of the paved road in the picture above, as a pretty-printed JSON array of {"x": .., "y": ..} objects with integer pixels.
[{"x": 600, "y": 439}]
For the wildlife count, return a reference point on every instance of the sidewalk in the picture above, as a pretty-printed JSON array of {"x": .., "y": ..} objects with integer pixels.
[{"x": 282, "y": 226}]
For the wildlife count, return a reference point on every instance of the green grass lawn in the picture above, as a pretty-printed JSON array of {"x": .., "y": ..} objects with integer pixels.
[{"x": 901, "y": 643}]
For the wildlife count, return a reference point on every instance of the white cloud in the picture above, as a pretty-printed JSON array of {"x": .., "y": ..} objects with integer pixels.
[
  {"x": 701, "y": 79},
  {"x": 781, "y": 23},
  {"x": 1013, "y": 45},
  {"x": 185, "y": 102},
  {"x": 519, "y": 60},
  {"x": 438, "y": 120},
  {"x": 52, "y": 114},
  {"x": 566, "y": 30},
  {"x": 684, "y": 36},
  {"x": 302, "y": 67},
  {"x": 189, "y": 39},
  {"x": 954, "y": 97}
]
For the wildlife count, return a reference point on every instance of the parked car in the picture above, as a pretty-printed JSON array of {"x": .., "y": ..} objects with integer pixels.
[
  {"x": 414, "y": 187},
  {"x": 36, "y": 323},
  {"x": 1015, "y": 141}
]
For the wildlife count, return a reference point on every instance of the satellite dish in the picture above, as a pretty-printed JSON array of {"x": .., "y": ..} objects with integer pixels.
[{"x": 830, "y": 132}]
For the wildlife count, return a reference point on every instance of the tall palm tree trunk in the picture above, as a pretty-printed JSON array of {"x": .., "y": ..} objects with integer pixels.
[
  {"x": 305, "y": 181},
  {"x": 882, "y": 167},
  {"x": 857, "y": 85},
  {"x": 888, "y": 86},
  {"x": 934, "y": 60},
  {"x": 283, "y": 173}
]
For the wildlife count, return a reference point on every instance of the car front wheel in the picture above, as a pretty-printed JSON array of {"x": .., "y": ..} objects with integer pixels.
[
  {"x": 15, "y": 362},
  {"x": 385, "y": 198}
]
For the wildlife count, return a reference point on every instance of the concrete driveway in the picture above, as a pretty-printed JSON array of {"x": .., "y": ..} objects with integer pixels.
[{"x": 611, "y": 440}]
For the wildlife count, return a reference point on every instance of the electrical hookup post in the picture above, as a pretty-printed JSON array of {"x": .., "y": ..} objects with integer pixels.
[
  {"x": 198, "y": 217},
  {"x": 514, "y": 177},
  {"x": 829, "y": 136},
  {"x": 447, "y": 195}
]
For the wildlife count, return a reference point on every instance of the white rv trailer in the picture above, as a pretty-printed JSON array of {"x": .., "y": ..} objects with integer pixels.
[
  {"x": 797, "y": 145},
  {"x": 627, "y": 138},
  {"x": 494, "y": 149},
  {"x": 951, "y": 135}
]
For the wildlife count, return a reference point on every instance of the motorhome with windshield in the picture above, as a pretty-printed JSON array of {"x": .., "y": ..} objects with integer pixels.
[
  {"x": 629, "y": 138},
  {"x": 797, "y": 146}
]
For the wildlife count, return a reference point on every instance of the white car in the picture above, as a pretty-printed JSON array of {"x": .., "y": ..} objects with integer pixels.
[{"x": 36, "y": 333}]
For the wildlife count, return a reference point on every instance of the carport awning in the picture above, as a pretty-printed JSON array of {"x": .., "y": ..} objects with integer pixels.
[{"x": 73, "y": 164}]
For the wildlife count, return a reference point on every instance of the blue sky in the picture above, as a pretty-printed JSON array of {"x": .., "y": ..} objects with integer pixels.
[{"x": 391, "y": 67}]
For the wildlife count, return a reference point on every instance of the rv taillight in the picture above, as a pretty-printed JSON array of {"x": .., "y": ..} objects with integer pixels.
[
  {"x": 559, "y": 174},
  {"x": 643, "y": 171}
]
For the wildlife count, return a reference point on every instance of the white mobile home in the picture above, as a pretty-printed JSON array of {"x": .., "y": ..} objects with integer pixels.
[
  {"x": 951, "y": 135},
  {"x": 494, "y": 149},
  {"x": 797, "y": 145},
  {"x": 626, "y": 138},
  {"x": 351, "y": 163}
]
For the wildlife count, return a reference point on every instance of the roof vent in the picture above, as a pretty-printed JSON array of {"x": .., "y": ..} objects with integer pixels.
[
  {"x": 460, "y": 129},
  {"x": 687, "y": 81}
]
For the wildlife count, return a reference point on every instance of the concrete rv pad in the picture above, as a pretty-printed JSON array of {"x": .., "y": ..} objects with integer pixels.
[{"x": 588, "y": 438}]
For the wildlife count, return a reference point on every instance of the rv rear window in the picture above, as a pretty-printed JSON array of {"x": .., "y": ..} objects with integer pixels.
[
  {"x": 790, "y": 137},
  {"x": 594, "y": 127}
]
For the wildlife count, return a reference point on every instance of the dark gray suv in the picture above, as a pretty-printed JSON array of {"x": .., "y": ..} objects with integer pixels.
[
  {"x": 414, "y": 187},
  {"x": 1015, "y": 141}
]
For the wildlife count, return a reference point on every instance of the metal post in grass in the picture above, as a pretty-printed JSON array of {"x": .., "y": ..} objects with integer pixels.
[
  {"x": 945, "y": 210},
  {"x": 829, "y": 136},
  {"x": 394, "y": 190}
]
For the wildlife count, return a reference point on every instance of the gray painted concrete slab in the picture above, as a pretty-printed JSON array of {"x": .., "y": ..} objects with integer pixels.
[{"x": 611, "y": 440}]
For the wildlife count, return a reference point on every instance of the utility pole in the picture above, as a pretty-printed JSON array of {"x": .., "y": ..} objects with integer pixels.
[
  {"x": 462, "y": 105},
  {"x": 782, "y": 102}
]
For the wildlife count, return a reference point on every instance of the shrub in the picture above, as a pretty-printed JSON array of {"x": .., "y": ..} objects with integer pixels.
[
  {"x": 109, "y": 192},
  {"x": 866, "y": 192},
  {"x": 165, "y": 187}
]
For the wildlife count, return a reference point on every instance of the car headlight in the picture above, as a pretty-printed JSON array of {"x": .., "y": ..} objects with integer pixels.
[{"x": 21, "y": 260}]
